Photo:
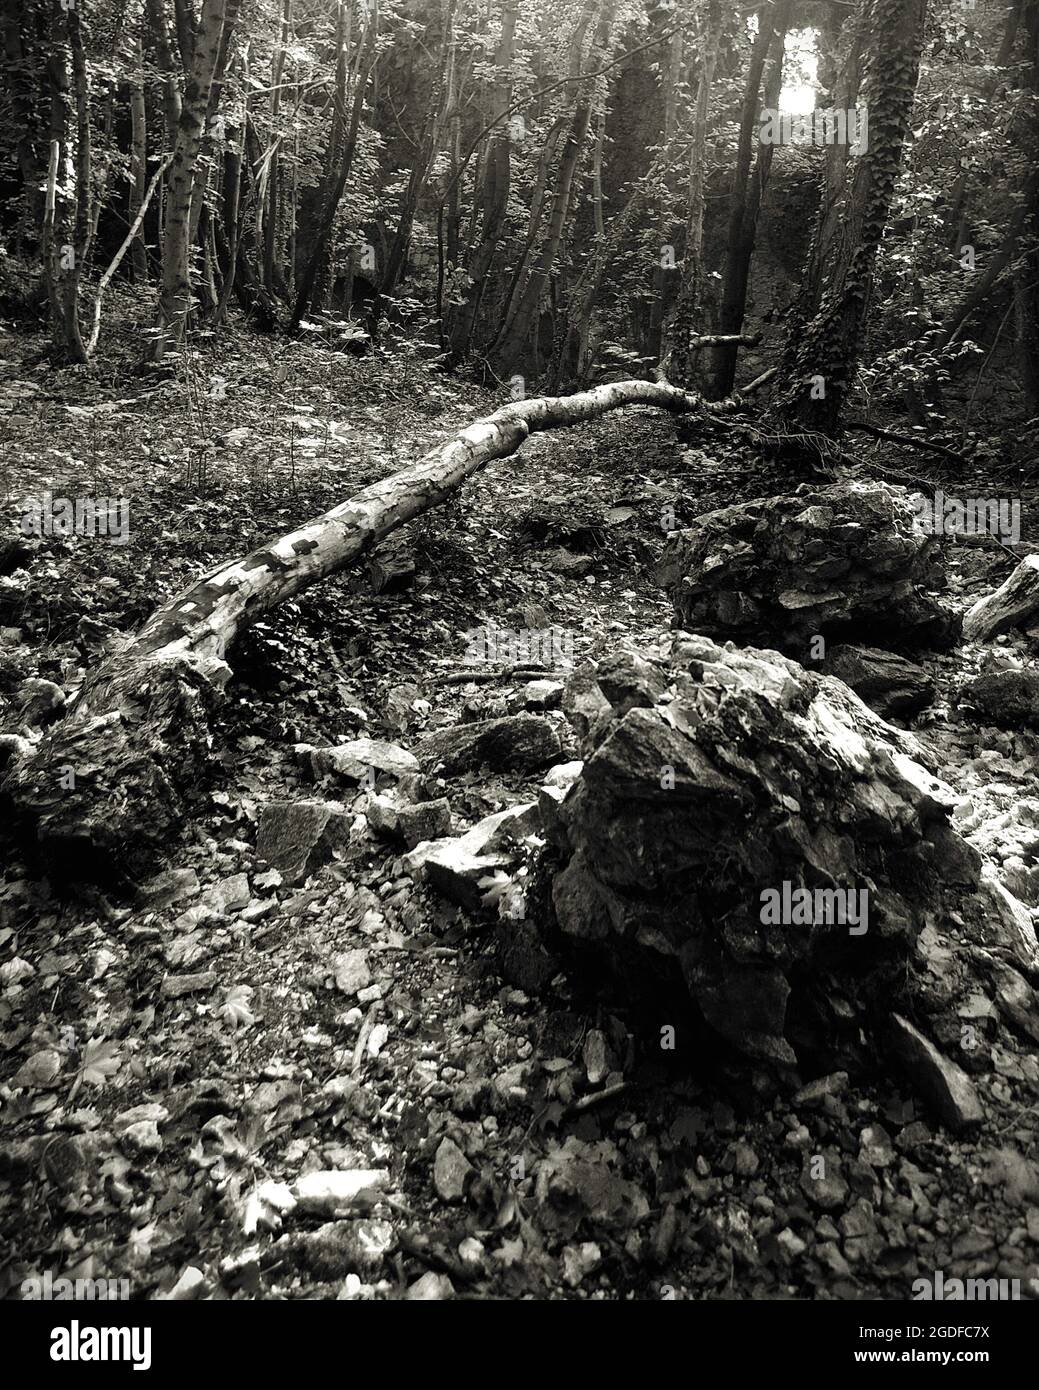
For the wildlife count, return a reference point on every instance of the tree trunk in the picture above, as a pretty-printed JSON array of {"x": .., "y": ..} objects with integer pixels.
[
  {"x": 318, "y": 251},
  {"x": 826, "y": 353},
  {"x": 746, "y": 205},
  {"x": 138, "y": 161},
  {"x": 676, "y": 354},
  {"x": 175, "y": 297},
  {"x": 110, "y": 781},
  {"x": 513, "y": 342}
]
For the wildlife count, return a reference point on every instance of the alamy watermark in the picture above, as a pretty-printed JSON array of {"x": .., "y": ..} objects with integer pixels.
[
  {"x": 45, "y": 1288},
  {"x": 806, "y": 907},
  {"x": 969, "y": 516},
  {"x": 107, "y": 517},
  {"x": 942, "y": 1290},
  {"x": 821, "y": 127},
  {"x": 541, "y": 647}
]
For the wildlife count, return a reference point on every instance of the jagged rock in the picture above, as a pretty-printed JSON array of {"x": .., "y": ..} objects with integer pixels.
[
  {"x": 1014, "y": 604},
  {"x": 456, "y": 865},
  {"x": 297, "y": 837},
  {"x": 887, "y": 683},
  {"x": 424, "y": 820},
  {"x": 451, "y": 1171},
  {"x": 849, "y": 561},
  {"x": 519, "y": 742},
  {"x": 723, "y": 783},
  {"x": 565, "y": 562},
  {"x": 941, "y": 1082},
  {"x": 39, "y": 701},
  {"x": 229, "y": 895},
  {"x": 360, "y": 757},
  {"x": 1009, "y": 698},
  {"x": 167, "y": 888},
  {"x": 351, "y": 970},
  {"x": 383, "y": 815},
  {"x": 558, "y": 781},
  {"x": 537, "y": 695}
]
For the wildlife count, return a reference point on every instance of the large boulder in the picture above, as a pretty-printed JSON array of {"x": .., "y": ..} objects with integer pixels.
[
  {"x": 849, "y": 561},
  {"x": 719, "y": 785}
]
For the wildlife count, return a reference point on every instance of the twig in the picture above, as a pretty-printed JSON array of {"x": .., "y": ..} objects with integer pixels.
[
  {"x": 362, "y": 1039},
  {"x": 135, "y": 227},
  {"x": 927, "y": 444},
  {"x": 598, "y": 1097}
]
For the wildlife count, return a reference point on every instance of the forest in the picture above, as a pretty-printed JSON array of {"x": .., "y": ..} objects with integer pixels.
[{"x": 519, "y": 659}]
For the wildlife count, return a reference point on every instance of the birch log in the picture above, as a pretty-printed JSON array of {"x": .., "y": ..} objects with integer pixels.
[{"x": 110, "y": 781}]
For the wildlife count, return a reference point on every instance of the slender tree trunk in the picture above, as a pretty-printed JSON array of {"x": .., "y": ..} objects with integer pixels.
[
  {"x": 494, "y": 186},
  {"x": 826, "y": 354},
  {"x": 743, "y": 219},
  {"x": 138, "y": 160},
  {"x": 676, "y": 355},
  {"x": 366, "y": 64},
  {"x": 176, "y": 296},
  {"x": 66, "y": 210},
  {"x": 271, "y": 221},
  {"x": 513, "y": 343}
]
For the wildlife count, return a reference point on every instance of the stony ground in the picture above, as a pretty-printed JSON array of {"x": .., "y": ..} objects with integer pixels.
[{"x": 219, "y": 1084}]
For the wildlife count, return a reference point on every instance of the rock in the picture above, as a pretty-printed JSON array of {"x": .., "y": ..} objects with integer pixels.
[
  {"x": 383, "y": 815},
  {"x": 552, "y": 794},
  {"x": 821, "y": 1180},
  {"x": 817, "y": 1091},
  {"x": 1008, "y": 698},
  {"x": 792, "y": 1245},
  {"x": 152, "y": 1110},
  {"x": 141, "y": 1139},
  {"x": 65, "y": 1163},
  {"x": 361, "y": 756},
  {"x": 39, "y": 702},
  {"x": 889, "y": 684},
  {"x": 176, "y": 986},
  {"x": 519, "y": 742},
  {"x": 455, "y": 866},
  {"x": 424, "y": 820},
  {"x": 565, "y": 562},
  {"x": 452, "y": 1171},
  {"x": 228, "y": 895},
  {"x": 351, "y": 971},
  {"x": 339, "y": 1247},
  {"x": 940, "y": 1082},
  {"x": 538, "y": 695},
  {"x": 189, "y": 1286},
  {"x": 523, "y": 959},
  {"x": 430, "y": 1287},
  {"x": 596, "y": 1062},
  {"x": 680, "y": 829},
  {"x": 334, "y": 1190},
  {"x": 297, "y": 837},
  {"x": 1014, "y": 604},
  {"x": 167, "y": 888},
  {"x": 850, "y": 561}
]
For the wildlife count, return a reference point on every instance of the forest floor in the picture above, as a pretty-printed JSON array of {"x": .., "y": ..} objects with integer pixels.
[{"x": 175, "y": 1063}]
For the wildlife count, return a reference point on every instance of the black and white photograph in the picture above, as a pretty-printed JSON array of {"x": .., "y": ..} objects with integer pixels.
[{"x": 519, "y": 678}]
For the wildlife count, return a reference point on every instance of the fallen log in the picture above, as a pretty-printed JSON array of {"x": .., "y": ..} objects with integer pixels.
[{"x": 110, "y": 781}]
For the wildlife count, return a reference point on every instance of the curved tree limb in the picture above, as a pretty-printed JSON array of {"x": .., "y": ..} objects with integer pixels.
[{"x": 110, "y": 781}]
